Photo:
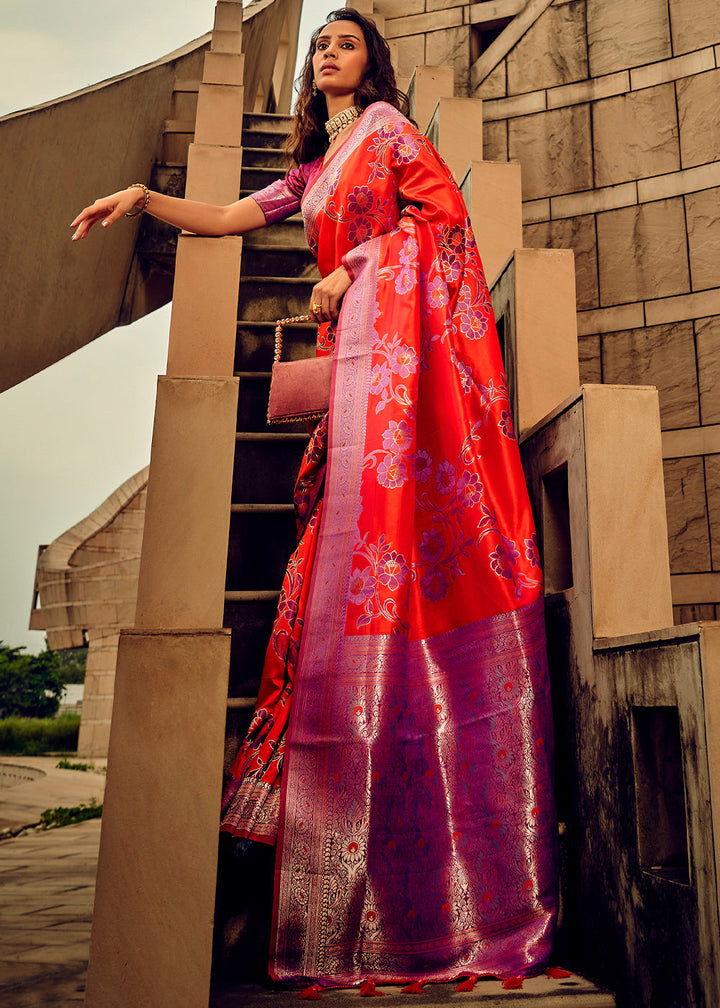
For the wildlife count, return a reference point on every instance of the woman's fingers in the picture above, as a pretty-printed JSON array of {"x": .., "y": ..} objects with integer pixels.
[
  {"x": 327, "y": 295},
  {"x": 107, "y": 210}
]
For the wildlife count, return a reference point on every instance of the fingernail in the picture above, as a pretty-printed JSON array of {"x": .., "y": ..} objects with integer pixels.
[{"x": 106, "y": 223}]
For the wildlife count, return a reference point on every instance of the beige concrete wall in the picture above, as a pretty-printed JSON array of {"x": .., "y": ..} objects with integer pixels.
[
  {"x": 612, "y": 110},
  {"x": 86, "y": 590}
]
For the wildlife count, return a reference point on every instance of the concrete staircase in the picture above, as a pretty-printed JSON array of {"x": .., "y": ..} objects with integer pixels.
[{"x": 277, "y": 275}]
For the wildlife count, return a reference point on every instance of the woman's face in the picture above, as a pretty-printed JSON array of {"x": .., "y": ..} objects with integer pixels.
[{"x": 340, "y": 59}]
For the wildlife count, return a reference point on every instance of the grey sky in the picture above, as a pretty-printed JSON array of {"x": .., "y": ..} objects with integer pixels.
[{"x": 72, "y": 434}]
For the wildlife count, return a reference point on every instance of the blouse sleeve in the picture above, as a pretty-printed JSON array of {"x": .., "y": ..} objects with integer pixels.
[{"x": 281, "y": 199}]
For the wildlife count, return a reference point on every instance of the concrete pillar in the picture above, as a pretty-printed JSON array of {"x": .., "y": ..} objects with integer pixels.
[
  {"x": 427, "y": 85},
  {"x": 456, "y": 131},
  {"x": 627, "y": 523},
  {"x": 152, "y": 927},
  {"x": 534, "y": 303},
  {"x": 153, "y": 920},
  {"x": 493, "y": 195},
  {"x": 595, "y": 475},
  {"x": 187, "y": 517},
  {"x": 204, "y": 319}
]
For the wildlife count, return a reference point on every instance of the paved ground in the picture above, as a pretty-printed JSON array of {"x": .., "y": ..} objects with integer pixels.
[
  {"x": 21, "y": 804},
  {"x": 47, "y": 881}
]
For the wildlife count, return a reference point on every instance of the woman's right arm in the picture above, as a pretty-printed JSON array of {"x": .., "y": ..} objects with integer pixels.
[{"x": 188, "y": 215}]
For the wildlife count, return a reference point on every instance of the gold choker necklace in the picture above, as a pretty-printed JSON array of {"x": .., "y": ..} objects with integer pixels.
[{"x": 341, "y": 120}]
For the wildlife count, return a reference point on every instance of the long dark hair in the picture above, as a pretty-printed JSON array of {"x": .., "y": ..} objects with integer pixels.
[{"x": 309, "y": 139}]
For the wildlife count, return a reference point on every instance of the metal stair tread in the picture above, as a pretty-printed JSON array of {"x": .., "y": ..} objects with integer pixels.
[
  {"x": 269, "y": 324},
  {"x": 270, "y": 436},
  {"x": 251, "y": 596},
  {"x": 262, "y": 150},
  {"x": 268, "y": 118},
  {"x": 262, "y": 508},
  {"x": 261, "y": 246},
  {"x": 277, "y": 280}
]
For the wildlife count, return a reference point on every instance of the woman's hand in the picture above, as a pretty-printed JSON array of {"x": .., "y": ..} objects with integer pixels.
[
  {"x": 327, "y": 295},
  {"x": 107, "y": 209}
]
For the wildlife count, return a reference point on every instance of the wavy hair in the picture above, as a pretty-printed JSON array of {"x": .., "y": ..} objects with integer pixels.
[{"x": 308, "y": 139}]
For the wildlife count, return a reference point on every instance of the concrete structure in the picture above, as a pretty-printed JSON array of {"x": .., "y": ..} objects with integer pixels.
[
  {"x": 85, "y": 593},
  {"x": 142, "y": 126}
]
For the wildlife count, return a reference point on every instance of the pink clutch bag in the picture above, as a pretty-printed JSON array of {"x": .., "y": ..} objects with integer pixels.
[{"x": 299, "y": 390}]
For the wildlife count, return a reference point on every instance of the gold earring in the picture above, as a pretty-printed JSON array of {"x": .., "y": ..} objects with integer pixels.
[{"x": 314, "y": 88}]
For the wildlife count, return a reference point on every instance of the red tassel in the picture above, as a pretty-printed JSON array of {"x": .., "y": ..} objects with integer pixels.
[
  {"x": 311, "y": 993},
  {"x": 557, "y": 972},
  {"x": 512, "y": 983},
  {"x": 368, "y": 990},
  {"x": 469, "y": 984},
  {"x": 413, "y": 988}
]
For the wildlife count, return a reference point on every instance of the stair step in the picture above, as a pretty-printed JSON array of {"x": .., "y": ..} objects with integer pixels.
[
  {"x": 255, "y": 343},
  {"x": 237, "y": 722},
  {"x": 253, "y": 395},
  {"x": 269, "y": 157},
  {"x": 276, "y": 436},
  {"x": 262, "y": 509},
  {"x": 291, "y": 231},
  {"x": 265, "y": 131},
  {"x": 538, "y": 992},
  {"x": 267, "y": 122},
  {"x": 292, "y": 260},
  {"x": 266, "y": 467},
  {"x": 250, "y": 597},
  {"x": 250, "y": 616},
  {"x": 257, "y": 178},
  {"x": 241, "y": 703},
  {"x": 268, "y": 298},
  {"x": 259, "y": 547}
]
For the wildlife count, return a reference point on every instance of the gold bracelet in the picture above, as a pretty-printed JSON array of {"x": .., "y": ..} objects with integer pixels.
[{"x": 143, "y": 208}]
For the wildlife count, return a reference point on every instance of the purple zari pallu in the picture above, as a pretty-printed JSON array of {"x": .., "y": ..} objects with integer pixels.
[{"x": 417, "y": 832}]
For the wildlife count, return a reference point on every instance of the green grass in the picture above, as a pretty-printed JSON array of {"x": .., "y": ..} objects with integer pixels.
[
  {"x": 66, "y": 764},
  {"x": 61, "y": 816},
  {"x": 20, "y": 736}
]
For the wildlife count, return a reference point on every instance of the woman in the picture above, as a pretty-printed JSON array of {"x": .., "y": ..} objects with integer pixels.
[{"x": 400, "y": 751}]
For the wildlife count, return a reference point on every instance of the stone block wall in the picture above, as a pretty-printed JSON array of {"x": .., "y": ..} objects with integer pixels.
[{"x": 613, "y": 111}]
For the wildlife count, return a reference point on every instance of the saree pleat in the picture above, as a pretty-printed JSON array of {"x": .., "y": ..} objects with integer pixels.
[{"x": 416, "y": 823}]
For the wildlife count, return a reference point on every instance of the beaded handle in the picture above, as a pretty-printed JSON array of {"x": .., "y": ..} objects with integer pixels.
[{"x": 278, "y": 332}]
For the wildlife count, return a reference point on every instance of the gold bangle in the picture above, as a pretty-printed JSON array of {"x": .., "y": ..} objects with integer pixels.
[{"x": 143, "y": 208}]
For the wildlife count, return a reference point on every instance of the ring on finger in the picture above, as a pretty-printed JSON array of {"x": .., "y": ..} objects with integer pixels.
[{"x": 316, "y": 307}]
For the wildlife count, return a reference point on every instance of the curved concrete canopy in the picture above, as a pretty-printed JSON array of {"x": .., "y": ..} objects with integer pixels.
[{"x": 57, "y": 296}]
